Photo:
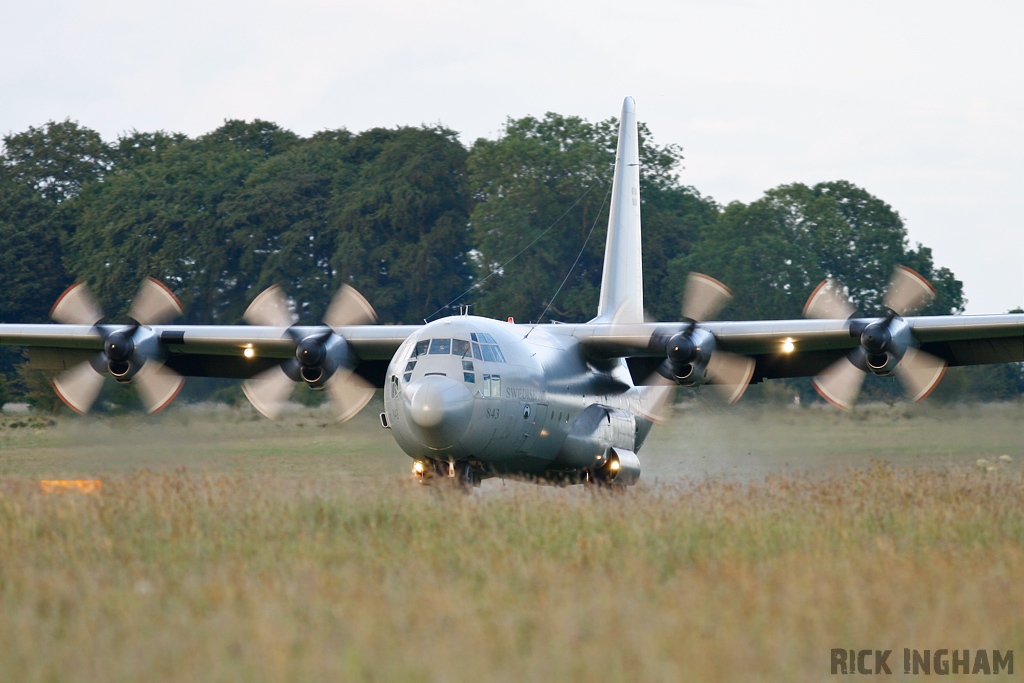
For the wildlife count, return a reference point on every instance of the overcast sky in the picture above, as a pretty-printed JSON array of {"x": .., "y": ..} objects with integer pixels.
[{"x": 920, "y": 103}]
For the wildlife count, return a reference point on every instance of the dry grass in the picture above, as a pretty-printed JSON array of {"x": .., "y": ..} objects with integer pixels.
[{"x": 252, "y": 555}]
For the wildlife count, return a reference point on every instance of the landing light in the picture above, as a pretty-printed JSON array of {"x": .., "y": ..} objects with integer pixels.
[
  {"x": 248, "y": 352},
  {"x": 417, "y": 467},
  {"x": 615, "y": 465},
  {"x": 788, "y": 346}
]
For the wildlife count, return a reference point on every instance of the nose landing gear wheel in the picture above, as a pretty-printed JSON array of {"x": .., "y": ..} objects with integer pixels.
[
  {"x": 459, "y": 474},
  {"x": 426, "y": 471},
  {"x": 464, "y": 476}
]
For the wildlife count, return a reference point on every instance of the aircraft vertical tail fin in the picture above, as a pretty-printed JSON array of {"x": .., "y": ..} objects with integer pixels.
[{"x": 622, "y": 287}]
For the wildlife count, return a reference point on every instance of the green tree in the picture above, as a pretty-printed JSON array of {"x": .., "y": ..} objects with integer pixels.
[
  {"x": 137, "y": 148},
  {"x": 402, "y": 223},
  {"x": 56, "y": 160},
  {"x": 163, "y": 215},
  {"x": 557, "y": 171},
  {"x": 774, "y": 251},
  {"x": 31, "y": 258},
  {"x": 282, "y": 214},
  {"x": 32, "y": 227}
]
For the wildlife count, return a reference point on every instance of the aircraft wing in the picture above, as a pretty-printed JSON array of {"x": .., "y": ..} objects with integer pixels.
[
  {"x": 816, "y": 344},
  {"x": 206, "y": 350}
]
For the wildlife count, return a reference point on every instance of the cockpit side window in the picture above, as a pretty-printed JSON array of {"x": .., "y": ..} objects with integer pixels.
[
  {"x": 460, "y": 347},
  {"x": 421, "y": 348},
  {"x": 486, "y": 348}
]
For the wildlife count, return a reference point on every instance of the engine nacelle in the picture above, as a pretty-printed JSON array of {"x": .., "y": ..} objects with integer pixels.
[
  {"x": 127, "y": 349},
  {"x": 883, "y": 345},
  {"x": 597, "y": 431},
  {"x": 621, "y": 469},
  {"x": 319, "y": 357},
  {"x": 687, "y": 355}
]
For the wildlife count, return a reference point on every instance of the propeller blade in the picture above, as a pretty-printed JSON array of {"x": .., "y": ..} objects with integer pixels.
[
  {"x": 76, "y": 307},
  {"x": 269, "y": 391},
  {"x": 920, "y": 373},
  {"x": 79, "y": 387},
  {"x": 349, "y": 307},
  {"x": 270, "y": 308},
  {"x": 655, "y": 397},
  {"x": 840, "y": 383},
  {"x": 730, "y": 374},
  {"x": 154, "y": 303},
  {"x": 908, "y": 292},
  {"x": 704, "y": 296},
  {"x": 349, "y": 394},
  {"x": 158, "y": 385},
  {"x": 828, "y": 301}
]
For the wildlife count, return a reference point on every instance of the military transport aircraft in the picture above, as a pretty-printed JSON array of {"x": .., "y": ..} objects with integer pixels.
[{"x": 470, "y": 397}]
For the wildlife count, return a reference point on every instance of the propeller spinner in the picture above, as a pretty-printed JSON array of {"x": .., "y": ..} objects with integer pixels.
[
  {"x": 131, "y": 353},
  {"x": 323, "y": 359}
]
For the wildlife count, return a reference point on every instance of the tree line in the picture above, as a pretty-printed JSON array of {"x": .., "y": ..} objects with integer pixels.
[{"x": 415, "y": 220}]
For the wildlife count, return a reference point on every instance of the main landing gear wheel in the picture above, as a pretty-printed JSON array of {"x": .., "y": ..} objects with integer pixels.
[{"x": 597, "y": 481}]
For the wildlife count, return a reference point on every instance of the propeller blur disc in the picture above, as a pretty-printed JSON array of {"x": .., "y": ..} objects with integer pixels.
[
  {"x": 908, "y": 292},
  {"x": 154, "y": 303},
  {"x": 270, "y": 308},
  {"x": 79, "y": 387},
  {"x": 704, "y": 296},
  {"x": 349, "y": 394},
  {"x": 920, "y": 373},
  {"x": 158, "y": 385},
  {"x": 269, "y": 391},
  {"x": 76, "y": 307},
  {"x": 655, "y": 397},
  {"x": 349, "y": 307},
  {"x": 840, "y": 383},
  {"x": 730, "y": 374},
  {"x": 828, "y": 301}
]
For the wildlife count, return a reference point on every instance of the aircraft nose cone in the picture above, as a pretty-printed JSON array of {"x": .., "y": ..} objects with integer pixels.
[{"x": 441, "y": 408}]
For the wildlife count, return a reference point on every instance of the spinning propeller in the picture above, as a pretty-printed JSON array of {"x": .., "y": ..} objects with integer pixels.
[
  {"x": 887, "y": 346},
  {"x": 323, "y": 359},
  {"x": 131, "y": 353},
  {"x": 692, "y": 356}
]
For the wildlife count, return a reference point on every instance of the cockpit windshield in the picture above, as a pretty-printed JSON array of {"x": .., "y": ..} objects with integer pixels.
[
  {"x": 440, "y": 346},
  {"x": 483, "y": 347}
]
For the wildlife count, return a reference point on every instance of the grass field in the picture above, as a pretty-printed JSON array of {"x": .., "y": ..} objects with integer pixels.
[{"x": 225, "y": 547}]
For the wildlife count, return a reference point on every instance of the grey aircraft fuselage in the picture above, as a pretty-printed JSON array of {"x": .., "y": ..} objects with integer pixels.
[{"x": 529, "y": 403}]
